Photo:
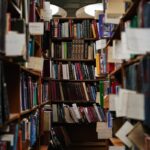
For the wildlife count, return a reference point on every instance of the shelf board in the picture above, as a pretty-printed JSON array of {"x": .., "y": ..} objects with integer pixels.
[
  {"x": 31, "y": 71},
  {"x": 74, "y": 18},
  {"x": 72, "y": 101},
  {"x": 12, "y": 117},
  {"x": 90, "y": 144},
  {"x": 64, "y": 60},
  {"x": 28, "y": 111},
  {"x": 72, "y": 38},
  {"x": 67, "y": 80},
  {"x": 132, "y": 61},
  {"x": 73, "y": 124},
  {"x": 115, "y": 71},
  {"x": 44, "y": 103}
]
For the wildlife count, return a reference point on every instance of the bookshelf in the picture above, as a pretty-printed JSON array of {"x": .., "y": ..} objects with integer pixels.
[
  {"x": 23, "y": 93},
  {"x": 72, "y": 80},
  {"x": 131, "y": 77}
]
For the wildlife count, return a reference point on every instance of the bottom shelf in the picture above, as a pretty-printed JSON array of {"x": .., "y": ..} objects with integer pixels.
[{"x": 100, "y": 145}]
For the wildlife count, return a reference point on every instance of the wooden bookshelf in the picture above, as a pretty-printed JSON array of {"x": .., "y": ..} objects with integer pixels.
[{"x": 73, "y": 60}]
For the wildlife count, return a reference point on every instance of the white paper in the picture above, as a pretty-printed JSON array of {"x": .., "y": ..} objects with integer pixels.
[
  {"x": 122, "y": 102},
  {"x": 100, "y": 44},
  {"x": 36, "y": 28},
  {"x": 119, "y": 51},
  {"x": 138, "y": 40},
  {"x": 110, "y": 57},
  {"x": 112, "y": 102},
  {"x": 46, "y": 15},
  {"x": 103, "y": 131},
  {"x": 135, "y": 106},
  {"x": 116, "y": 147},
  {"x": 123, "y": 131},
  {"x": 36, "y": 63},
  {"x": 15, "y": 44},
  {"x": 125, "y": 50}
]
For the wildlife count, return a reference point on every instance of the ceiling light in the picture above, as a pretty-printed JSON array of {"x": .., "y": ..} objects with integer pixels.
[
  {"x": 90, "y": 9},
  {"x": 54, "y": 9}
]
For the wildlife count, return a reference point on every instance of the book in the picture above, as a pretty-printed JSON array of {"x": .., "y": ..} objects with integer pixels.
[
  {"x": 103, "y": 131},
  {"x": 123, "y": 132},
  {"x": 47, "y": 120},
  {"x": 136, "y": 135},
  {"x": 3, "y": 7}
]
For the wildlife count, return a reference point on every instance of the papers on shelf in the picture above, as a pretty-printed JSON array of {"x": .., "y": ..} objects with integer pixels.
[
  {"x": 138, "y": 40},
  {"x": 15, "y": 44},
  {"x": 130, "y": 104},
  {"x": 36, "y": 28},
  {"x": 103, "y": 131}
]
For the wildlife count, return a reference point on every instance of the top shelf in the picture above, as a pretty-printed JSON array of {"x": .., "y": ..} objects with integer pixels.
[{"x": 127, "y": 16}]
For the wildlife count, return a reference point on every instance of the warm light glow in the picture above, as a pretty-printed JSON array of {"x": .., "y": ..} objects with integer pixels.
[
  {"x": 54, "y": 9},
  {"x": 90, "y": 9}
]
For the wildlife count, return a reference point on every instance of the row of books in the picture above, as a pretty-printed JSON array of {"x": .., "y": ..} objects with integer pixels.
[
  {"x": 83, "y": 29},
  {"x": 137, "y": 79},
  {"x": 4, "y": 104},
  {"x": 72, "y": 71},
  {"x": 75, "y": 49},
  {"x": 21, "y": 136},
  {"x": 32, "y": 92},
  {"x": 68, "y": 91},
  {"x": 62, "y": 113}
]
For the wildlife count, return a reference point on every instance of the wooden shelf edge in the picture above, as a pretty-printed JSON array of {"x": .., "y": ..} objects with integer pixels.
[
  {"x": 12, "y": 117},
  {"x": 73, "y": 124},
  {"x": 85, "y": 60},
  {"x": 132, "y": 61},
  {"x": 73, "y": 101},
  {"x": 29, "y": 110},
  {"x": 115, "y": 71},
  {"x": 68, "y": 80},
  {"x": 31, "y": 71},
  {"x": 44, "y": 103},
  {"x": 90, "y": 144}
]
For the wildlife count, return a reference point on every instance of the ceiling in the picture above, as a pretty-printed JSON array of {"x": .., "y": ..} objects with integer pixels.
[{"x": 71, "y": 6}]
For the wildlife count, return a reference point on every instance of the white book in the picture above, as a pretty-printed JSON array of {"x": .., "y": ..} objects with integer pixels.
[
  {"x": 76, "y": 110},
  {"x": 73, "y": 115},
  {"x": 64, "y": 70},
  {"x": 97, "y": 112},
  {"x": 138, "y": 44},
  {"x": 112, "y": 102},
  {"x": 123, "y": 131},
  {"x": 103, "y": 131},
  {"x": 135, "y": 106}
]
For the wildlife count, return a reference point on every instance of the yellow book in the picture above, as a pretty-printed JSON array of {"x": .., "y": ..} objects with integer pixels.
[{"x": 98, "y": 70}]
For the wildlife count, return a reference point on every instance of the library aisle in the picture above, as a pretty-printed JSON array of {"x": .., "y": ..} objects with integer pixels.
[{"x": 77, "y": 83}]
